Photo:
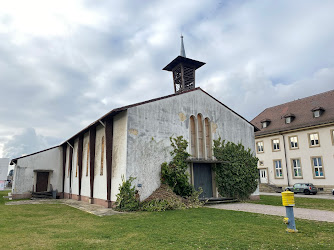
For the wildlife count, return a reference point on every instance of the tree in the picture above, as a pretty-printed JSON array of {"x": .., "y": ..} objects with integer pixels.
[{"x": 237, "y": 173}]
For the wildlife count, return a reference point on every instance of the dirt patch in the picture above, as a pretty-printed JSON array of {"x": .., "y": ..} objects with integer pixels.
[{"x": 164, "y": 192}]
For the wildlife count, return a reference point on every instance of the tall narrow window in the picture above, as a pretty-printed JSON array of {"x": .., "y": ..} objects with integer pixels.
[
  {"x": 68, "y": 162},
  {"x": 102, "y": 155},
  {"x": 87, "y": 159},
  {"x": 200, "y": 136},
  {"x": 207, "y": 137},
  {"x": 332, "y": 134},
  {"x": 76, "y": 165},
  {"x": 297, "y": 170},
  {"x": 193, "y": 136},
  {"x": 278, "y": 169},
  {"x": 318, "y": 170}
]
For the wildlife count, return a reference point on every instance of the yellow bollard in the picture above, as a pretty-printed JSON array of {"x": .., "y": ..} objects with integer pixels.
[{"x": 288, "y": 200}]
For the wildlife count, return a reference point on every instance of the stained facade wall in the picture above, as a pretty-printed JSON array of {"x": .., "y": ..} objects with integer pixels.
[{"x": 151, "y": 125}]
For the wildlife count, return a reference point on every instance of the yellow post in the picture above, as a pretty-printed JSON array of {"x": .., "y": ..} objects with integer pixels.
[{"x": 288, "y": 200}]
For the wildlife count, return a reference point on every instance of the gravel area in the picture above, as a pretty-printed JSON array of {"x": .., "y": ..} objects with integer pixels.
[{"x": 301, "y": 213}]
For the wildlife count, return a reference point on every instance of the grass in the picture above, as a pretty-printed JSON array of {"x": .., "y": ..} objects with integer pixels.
[
  {"x": 61, "y": 227},
  {"x": 311, "y": 203}
]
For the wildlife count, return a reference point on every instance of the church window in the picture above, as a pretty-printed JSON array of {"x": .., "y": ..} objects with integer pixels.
[
  {"x": 76, "y": 165},
  {"x": 87, "y": 159},
  {"x": 200, "y": 136},
  {"x": 193, "y": 136},
  {"x": 208, "y": 137},
  {"x": 102, "y": 155}
]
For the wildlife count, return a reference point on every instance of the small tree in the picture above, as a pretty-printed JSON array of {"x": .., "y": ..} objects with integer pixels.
[
  {"x": 174, "y": 173},
  {"x": 237, "y": 175}
]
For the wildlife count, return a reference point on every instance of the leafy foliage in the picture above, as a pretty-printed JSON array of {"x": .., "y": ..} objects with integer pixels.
[
  {"x": 174, "y": 173},
  {"x": 162, "y": 205},
  {"x": 126, "y": 198},
  {"x": 237, "y": 176}
]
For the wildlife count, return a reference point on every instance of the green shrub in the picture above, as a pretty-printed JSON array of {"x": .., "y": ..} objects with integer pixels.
[
  {"x": 162, "y": 205},
  {"x": 174, "y": 173},
  {"x": 237, "y": 175},
  {"x": 126, "y": 198}
]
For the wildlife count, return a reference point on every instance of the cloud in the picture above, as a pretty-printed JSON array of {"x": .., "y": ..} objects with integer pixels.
[
  {"x": 65, "y": 64},
  {"x": 26, "y": 142}
]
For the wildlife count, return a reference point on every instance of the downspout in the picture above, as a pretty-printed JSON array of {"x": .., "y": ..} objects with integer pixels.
[{"x": 286, "y": 162}]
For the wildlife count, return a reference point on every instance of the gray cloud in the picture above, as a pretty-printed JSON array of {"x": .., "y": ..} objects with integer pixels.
[{"x": 63, "y": 66}]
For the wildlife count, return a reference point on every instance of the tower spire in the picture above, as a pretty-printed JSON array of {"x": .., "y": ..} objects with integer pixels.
[
  {"x": 183, "y": 70},
  {"x": 183, "y": 52}
]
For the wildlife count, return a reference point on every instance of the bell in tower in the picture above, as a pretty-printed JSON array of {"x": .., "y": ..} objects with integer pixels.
[{"x": 183, "y": 69}]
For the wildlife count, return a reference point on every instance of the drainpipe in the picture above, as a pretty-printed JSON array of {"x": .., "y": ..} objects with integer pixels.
[{"x": 286, "y": 162}]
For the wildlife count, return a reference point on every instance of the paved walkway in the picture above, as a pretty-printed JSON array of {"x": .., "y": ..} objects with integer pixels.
[
  {"x": 301, "y": 213},
  {"x": 317, "y": 196},
  {"x": 84, "y": 206}
]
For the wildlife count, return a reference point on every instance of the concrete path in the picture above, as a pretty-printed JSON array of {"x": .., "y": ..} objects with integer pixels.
[
  {"x": 301, "y": 213},
  {"x": 317, "y": 196},
  {"x": 84, "y": 206}
]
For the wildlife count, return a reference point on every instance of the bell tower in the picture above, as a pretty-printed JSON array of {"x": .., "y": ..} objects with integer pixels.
[{"x": 183, "y": 70}]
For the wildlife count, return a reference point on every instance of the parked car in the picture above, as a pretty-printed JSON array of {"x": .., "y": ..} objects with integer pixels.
[
  {"x": 306, "y": 188},
  {"x": 333, "y": 191}
]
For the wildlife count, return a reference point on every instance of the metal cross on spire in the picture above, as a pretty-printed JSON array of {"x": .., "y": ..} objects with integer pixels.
[{"x": 183, "y": 52}]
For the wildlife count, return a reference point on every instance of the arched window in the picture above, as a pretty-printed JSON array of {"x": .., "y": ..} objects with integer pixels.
[
  {"x": 208, "y": 137},
  {"x": 193, "y": 136},
  {"x": 200, "y": 136}
]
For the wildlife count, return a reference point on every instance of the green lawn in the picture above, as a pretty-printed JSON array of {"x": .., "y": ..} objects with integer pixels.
[
  {"x": 62, "y": 227},
  {"x": 312, "y": 203}
]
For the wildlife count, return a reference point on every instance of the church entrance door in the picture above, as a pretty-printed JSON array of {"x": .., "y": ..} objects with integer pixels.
[
  {"x": 203, "y": 178},
  {"x": 42, "y": 181}
]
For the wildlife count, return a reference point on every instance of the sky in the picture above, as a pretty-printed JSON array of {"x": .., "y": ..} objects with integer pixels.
[{"x": 64, "y": 64}]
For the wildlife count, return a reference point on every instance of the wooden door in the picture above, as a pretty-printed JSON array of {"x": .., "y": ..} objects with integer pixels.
[
  {"x": 42, "y": 181},
  {"x": 203, "y": 178}
]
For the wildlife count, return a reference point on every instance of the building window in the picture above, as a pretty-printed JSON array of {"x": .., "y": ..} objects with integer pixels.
[
  {"x": 318, "y": 170},
  {"x": 77, "y": 165},
  {"x": 265, "y": 123},
  {"x": 87, "y": 168},
  {"x": 200, "y": 136},
  {"x": 102, "y": 155},
  {"x": 296, "y": 168},
  {"x": 278, "y": 169},
  {"x": 259, "y": 147},
  {"x": 207, "y": 137},
  {"x": 289, "y": 118},
  {"x": 193, "y": 136},
  {"x": 314, "y": 140},
  {"x": 332, "y": 134},
  {"x": 293, "y": 142},
  {"x": 318, "y": 111},
  {"x": 275, "y": 144}
]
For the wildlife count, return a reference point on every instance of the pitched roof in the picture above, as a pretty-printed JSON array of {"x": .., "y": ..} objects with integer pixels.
[
  {"x": 120, "y": 109},
  {"x": 301, "y": 109}
]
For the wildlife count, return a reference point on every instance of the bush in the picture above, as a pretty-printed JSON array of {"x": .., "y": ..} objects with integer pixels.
[
  {"x": 237, "y": 176},
  {"x": 126, "y": 198},
  {"x": 174, "y": 174},
  {"x": 162, "y": 205}
]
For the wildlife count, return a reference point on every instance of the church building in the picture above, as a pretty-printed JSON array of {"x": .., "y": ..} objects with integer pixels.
[{"x": 133, "y": 141}]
